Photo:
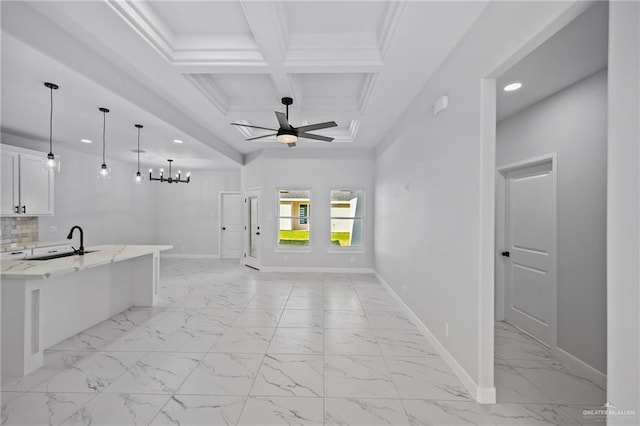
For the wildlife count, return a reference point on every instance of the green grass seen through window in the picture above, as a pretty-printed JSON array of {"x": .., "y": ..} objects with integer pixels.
[{"x": 301, "y": 238}]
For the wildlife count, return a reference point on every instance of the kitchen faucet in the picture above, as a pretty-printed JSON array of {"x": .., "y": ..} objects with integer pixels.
[{"x": 79, "y": 251}]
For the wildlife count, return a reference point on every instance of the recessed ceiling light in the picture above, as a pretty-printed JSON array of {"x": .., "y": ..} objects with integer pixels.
[
  {"x": 512, "y": 86},
  {"x": 177, "y": 141},
  {"x": 86, "y": 141}
]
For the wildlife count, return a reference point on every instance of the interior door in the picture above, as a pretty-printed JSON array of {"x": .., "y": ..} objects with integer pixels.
[
  {"x": 252, "y": 229},
  {"x": 530, "y": 278},
  {"x": 232, "y": 226}
]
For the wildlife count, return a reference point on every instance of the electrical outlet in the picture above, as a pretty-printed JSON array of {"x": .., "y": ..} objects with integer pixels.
[
  {"x": 404, "y": 289},
  {"x": 353, "y": 259},
  {"x": 285, "y": 258},
  {"x": 446, "y": 329},
  {"x": 53, "y": 229}
]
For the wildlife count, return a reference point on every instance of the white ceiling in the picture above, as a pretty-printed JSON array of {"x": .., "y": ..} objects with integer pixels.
[
  {"x": 573, "y": 53},
  {"x": 189, "y": 68}
]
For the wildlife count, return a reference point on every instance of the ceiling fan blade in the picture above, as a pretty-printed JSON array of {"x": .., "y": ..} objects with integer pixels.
[
  {"x": 317, "y": 126},
  {"x": 291, "y": 145},
  {"x": 260, "y": 137},
  {"x": 253, "y": 127},
  {"x": 282, "y": 119},
  {"x": 315, "y": 137}
]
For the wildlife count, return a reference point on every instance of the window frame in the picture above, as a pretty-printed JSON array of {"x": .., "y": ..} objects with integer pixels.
[
  {"x": 350, "y": 249},
  {"x": 291, "y": 248}
]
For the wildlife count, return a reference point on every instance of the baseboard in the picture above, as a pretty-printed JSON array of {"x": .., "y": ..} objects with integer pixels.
[
  {"x": 316, "y": 269},
  {"x": 580, "y": 367},
  {"x": 483, "y": 395},
  {"x": 189, "y": 256}
]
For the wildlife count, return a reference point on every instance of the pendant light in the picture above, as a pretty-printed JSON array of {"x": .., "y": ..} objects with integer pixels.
[
  {"x": 51, "y": 163},
  {"x": 104, "y": 172},
  {"x": 138, "y": 175}
]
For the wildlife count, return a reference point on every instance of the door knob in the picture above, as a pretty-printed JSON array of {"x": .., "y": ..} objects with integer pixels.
[
  {"x": 224, "y": 228},
  {"x": 506, "y": 254},
  {"x": 257, "y": 233}
]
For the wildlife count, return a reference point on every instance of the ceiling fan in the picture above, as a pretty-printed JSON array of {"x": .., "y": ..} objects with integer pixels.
[{"x": 288, "y": 134}]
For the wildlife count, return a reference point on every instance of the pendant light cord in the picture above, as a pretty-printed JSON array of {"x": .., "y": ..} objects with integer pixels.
[
  {"x": 138, "y": 149},
  {"x": 104, "y": 126},
  {"x": 51, "y": 124}
]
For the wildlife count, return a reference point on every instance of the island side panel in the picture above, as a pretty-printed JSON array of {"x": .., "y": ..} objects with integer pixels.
[
  {"x": 146, "y": 284},
  {"x": 21, "y": 327}
]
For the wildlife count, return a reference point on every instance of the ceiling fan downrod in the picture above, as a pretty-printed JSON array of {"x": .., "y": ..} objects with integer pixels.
[{"x": 286, "y": 101}]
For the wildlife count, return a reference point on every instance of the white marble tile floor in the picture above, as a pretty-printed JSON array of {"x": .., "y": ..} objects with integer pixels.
[{"x": 229, "y": 345}]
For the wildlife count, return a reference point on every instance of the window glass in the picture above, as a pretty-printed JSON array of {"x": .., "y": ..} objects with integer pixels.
[
  {"x": 346, "y": 218},
  {"x": 294, "y": 207}
]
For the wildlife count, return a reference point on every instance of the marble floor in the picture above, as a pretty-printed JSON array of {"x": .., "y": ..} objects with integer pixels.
[{"x": 230, "y": 345}]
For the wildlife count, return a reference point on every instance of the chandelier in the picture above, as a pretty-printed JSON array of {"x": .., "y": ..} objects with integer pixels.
[{"x": 170, "y": 179}]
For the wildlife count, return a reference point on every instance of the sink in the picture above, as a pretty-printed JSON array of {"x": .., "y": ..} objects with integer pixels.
[{"x": 57, "y": 255}]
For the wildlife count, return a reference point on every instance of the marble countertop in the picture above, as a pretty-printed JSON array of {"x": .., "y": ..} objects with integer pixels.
[
  {"x": 102, "y": 255},
  {"x": 31, "y": 245}
]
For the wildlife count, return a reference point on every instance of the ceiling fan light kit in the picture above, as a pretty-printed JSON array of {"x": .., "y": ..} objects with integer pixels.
[{"x": 288, "y": 134}]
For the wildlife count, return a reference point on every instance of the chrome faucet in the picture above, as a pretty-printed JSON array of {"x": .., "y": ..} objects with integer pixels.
[{"x": 79, "y": 251}]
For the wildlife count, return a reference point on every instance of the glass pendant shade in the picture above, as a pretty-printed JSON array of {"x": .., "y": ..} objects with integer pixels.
[
  {"x": 51, "y": 163},
  {"x": 139, "y": 178},
  {"x": 104, "y": 172}
]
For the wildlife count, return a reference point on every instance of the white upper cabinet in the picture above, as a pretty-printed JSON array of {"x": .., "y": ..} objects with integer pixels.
[
  {"x": 10, "y": 197},
  {"x": 27, "y": 188}
]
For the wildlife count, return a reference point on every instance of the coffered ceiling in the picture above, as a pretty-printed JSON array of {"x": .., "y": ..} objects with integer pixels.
[{"x": 199, "y": 65}]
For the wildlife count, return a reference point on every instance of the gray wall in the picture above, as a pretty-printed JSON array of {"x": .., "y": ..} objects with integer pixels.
[
  {"x": 573, "y": 124},
  {"x": 623, "y": 209},
  {"x": 437, "y": 238},
  {"x": 320, "y": 171},
  {"x": 118, "y": 211},
  {"x": 187, "y": 216},
  {"x": 114, "y": 211}
]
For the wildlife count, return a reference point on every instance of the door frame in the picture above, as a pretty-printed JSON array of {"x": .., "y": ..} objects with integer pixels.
[
  {"x": 247, "y": 232},
  {"x": 221, "y": 195},
  {"x": 501, "y": 234}
]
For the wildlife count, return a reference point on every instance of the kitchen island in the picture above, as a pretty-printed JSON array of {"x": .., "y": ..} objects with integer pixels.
[{"x": 47, "y": 301}]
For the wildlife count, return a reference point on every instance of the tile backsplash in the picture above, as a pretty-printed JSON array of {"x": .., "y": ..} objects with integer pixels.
[{"x": 18, "y": 229}]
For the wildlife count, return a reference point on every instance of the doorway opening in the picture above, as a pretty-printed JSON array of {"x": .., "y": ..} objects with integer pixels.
[
  {"x": 550, "y": 263},
  {"x": 252, "y": 228}
]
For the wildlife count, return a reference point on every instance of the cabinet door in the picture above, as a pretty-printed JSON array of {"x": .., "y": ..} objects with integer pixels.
[
  {"x": 9, "y": 185},
  {"x": 36, "y": 186}
]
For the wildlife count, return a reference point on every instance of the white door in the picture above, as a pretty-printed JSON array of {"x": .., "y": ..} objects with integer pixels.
[
  {"x": 252, "y": 229},
  {"x": 530, "y": 278},
  {"x": 36, "y": 196},
  {"x": 9, "y": 185},
  {"x": 231, "y": 225}
]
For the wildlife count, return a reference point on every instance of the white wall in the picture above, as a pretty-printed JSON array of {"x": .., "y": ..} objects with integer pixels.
[
  {"x": 623, "y": 209},
  {"x": 118, "y": 211},
  {"x": 320, "y": 171},
  {"x": 114, "y": 211},
  {"x": 445, "y": 257},
  {"x": 187, "y": 215},
  {"x": 573, "y": 124}
]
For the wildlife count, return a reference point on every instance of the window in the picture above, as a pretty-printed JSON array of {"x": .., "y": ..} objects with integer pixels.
[
  {"x": 346, "y": 218},
  {"x": 294, "y": 211}
]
